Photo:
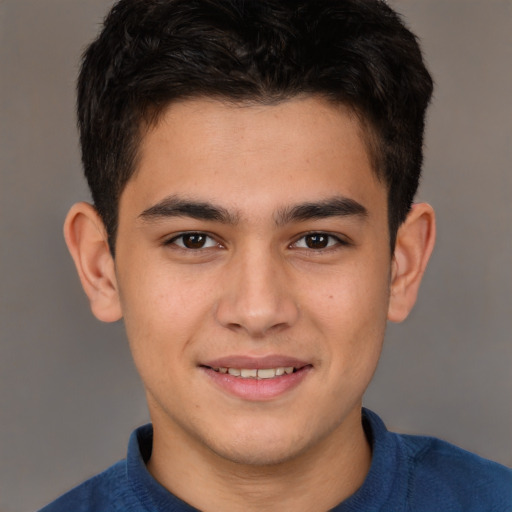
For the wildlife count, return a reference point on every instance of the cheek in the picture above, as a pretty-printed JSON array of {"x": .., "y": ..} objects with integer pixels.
[
  {"x": 350, "y": 309},
  {"x": 356, "y": 294},
  {"x": 163, "y": 310}
]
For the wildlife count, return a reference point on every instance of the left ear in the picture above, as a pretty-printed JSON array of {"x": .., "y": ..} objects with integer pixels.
[{"x": 414, "y": 244}]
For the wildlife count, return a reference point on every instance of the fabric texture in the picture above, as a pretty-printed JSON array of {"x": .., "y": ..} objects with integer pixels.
[{"x": 407, "y": 474}]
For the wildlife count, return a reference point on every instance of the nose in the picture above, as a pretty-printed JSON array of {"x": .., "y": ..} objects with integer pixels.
[{"x": 257, "y": 297}]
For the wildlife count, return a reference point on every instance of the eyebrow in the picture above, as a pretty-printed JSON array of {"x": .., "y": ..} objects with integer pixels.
[
  {"x": 174, "y": 206},
  {"x": 333, "y": 207}
]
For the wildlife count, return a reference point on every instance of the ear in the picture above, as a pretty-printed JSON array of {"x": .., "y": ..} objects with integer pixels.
[
  {"x": 414, "y": 244},
  {"x": 87, "y": 242}
]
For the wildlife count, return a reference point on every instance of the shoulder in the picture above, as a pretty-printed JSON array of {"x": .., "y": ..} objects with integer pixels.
[
  {"x": 120, "y": 488},
  {"x": 105, "y": 491},
  {"x": 456, "y": 478}
]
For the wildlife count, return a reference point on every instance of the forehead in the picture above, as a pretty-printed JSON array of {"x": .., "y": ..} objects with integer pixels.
[
  {"x": 296, "y": 116},
  {"x": 293, "y": 151}
]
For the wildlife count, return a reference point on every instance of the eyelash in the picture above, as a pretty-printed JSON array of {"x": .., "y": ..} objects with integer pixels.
[
  {"x": 332, "y": 241},
  {"x": 174, "y": 240}
]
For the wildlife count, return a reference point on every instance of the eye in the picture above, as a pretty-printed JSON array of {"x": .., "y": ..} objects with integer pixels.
[
  {"x": 317, "y": 241},
  {"x": 193, "y": 241}
]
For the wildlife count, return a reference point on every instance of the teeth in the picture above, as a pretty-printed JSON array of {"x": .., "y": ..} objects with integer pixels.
[
  {"x": 268, "y": 373},
  {"x": 245, "y": 374},
  {"x": 253, "y": 373}
]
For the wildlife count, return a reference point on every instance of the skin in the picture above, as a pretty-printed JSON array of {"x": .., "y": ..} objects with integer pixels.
[{"x": 266, "y": 282}]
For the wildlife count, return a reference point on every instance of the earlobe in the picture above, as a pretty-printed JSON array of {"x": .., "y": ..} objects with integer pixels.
[
  {"x": 87, "y": 242},
  {"x": 414, "y": 244}
]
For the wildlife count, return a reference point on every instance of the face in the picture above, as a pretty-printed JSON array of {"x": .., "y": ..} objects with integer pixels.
[{"x": 253, "y": 270}]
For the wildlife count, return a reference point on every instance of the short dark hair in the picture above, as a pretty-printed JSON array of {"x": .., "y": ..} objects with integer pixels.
[{"x": 152, "y": 52}]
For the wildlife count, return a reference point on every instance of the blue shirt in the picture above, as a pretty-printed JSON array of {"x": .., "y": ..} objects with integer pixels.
[{"x": 407, "y": 474}]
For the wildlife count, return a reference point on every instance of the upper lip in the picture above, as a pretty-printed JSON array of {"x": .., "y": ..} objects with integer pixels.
[{"x": 258, "y": 363}]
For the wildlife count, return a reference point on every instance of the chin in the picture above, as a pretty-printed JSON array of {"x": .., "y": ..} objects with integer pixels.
[
  {"x": 258, "y": 455},
  {"x": 260, "y": 449}
]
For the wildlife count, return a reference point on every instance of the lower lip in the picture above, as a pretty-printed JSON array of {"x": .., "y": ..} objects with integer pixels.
[{"x": 258, "y": 389}]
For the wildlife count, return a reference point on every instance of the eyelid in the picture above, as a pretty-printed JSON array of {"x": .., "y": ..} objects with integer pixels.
[
  {"x": 338, "y": 239},
  {"x": 176, "y": 236}
]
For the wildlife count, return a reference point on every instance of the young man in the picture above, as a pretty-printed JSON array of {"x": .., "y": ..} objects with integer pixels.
[{"x": 253, "y": 166}]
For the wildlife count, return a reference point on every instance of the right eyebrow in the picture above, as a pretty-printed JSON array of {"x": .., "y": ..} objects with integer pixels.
[{"x": 174, "y": 206}]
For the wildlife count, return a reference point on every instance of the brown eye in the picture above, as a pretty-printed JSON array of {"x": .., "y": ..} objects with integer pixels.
[
  {"x": 193, "y": 241},
  {"x": 316, "y": 241}
]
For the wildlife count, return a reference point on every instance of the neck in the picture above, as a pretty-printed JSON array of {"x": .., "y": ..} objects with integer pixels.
[{"x": 318, "y": 479}]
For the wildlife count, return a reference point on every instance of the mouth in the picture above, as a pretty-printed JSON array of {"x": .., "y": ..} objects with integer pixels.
[
  {"x": 257, "y": 379},
  {"x": 256, "y": 373}
]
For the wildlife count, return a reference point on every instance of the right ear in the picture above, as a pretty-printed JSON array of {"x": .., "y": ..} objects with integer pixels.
[{"x": 87, "y": 241}]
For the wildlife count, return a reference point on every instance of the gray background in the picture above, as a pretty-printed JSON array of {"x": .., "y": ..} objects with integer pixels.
[{"x": 69, "y": 395}]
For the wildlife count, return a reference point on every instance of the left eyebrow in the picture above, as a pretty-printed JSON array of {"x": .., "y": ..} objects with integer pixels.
[{"x": 333, "y": 207}]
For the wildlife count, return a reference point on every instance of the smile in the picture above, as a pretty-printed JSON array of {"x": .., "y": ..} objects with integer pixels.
[
  {"x": 273, "y": 376},
  {"x": 253, "y": 373}
]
